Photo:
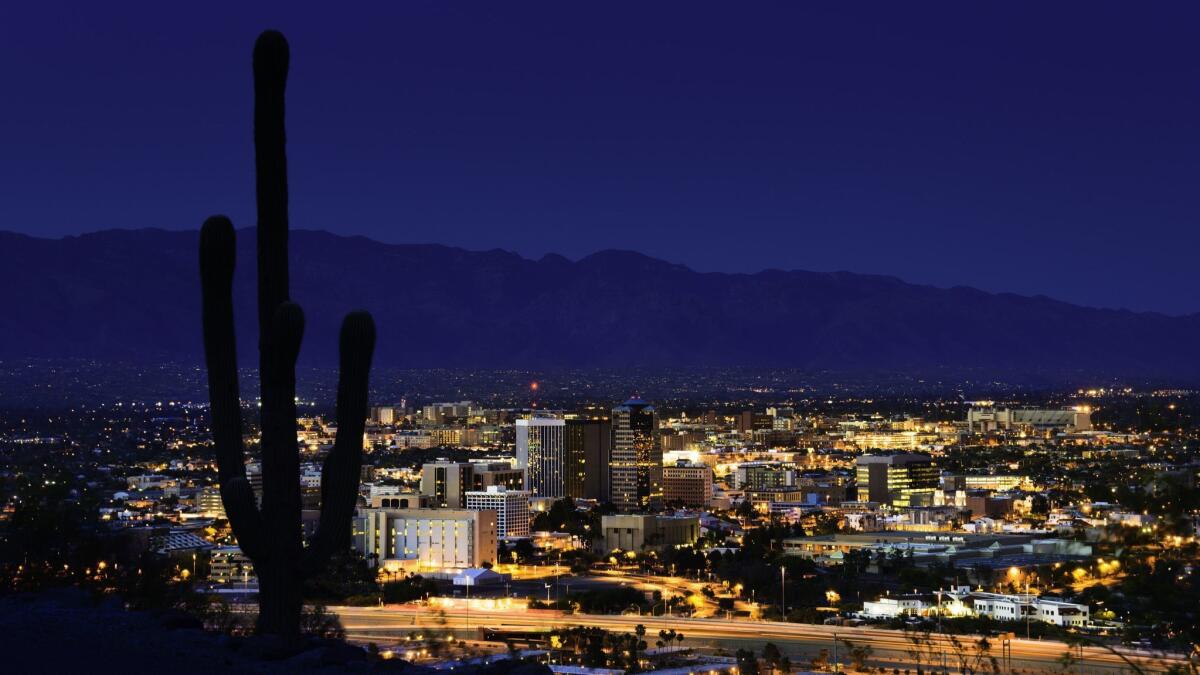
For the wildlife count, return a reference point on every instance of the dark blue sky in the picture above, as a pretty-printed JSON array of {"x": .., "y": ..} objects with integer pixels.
[{"x": 1037, "y": 147}]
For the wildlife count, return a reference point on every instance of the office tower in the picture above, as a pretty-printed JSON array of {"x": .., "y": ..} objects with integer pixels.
[
  {"x": 540, "y": 453},
  {"x": 427, "y": 539},
  {"x": 447, "y": 483},
  {"x": 636, "y": 475},
  {"x": 589, "y": 450},
  {"x": 898, "y": 480},
  {"x": 511, "y": 507},
  {"x": 688, "y": 484}
]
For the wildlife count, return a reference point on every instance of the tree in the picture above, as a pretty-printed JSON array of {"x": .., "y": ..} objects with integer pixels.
[
  {"x": 271, "y": 536},
  {"x": 772, "y": 656},
  {"x": 747, "y": 663},
  {"x": 859, "y": 654}
]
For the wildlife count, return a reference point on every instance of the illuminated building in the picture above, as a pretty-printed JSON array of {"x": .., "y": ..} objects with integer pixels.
[
  {"x": 636, "y": 470},
  {"x": 511, "y": 508},
  {"x": 988, "y": 419},
  {"x": 447, "y": 483},
  {"x": 427, "y": 539},
  {"x": 688, "y": 484},
  {"x": 542, "y": 454},
  {"x": 897, "y": 480},
  {"x": 640, "y": 532}
]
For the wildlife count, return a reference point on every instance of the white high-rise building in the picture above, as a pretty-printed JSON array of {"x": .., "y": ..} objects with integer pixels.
[
  {"x": 511, "y": 507},
  {"x": 542, "y": 453}
]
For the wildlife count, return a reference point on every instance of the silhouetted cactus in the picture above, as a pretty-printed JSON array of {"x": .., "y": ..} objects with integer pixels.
[{"x": 271, "y": 536}]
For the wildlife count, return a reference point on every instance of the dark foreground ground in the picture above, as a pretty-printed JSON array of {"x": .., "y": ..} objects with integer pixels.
[{"x": 68, "y": 632}]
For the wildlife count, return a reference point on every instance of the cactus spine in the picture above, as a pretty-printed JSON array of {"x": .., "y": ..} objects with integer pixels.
[{"x": 271, "y": 535}]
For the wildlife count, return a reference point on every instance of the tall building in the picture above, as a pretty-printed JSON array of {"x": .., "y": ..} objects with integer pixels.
[
  {"x": 897, "y": 480},
  {"x": 540, "y": 452},
  {"x": 511, "y": 507},
  {"x": 688, "y": 484},
  {"x": 427, "y": 539},
  {"x": 636, "y": 475},
  {"x": 447, "y": 483},
  {"x": 588, "y": 444}
]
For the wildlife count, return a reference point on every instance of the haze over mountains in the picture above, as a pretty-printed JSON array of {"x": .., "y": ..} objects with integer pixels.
[{"x": 134, "y": 296}]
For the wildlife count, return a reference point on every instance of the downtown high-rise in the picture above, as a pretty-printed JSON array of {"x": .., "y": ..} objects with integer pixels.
[
  {"x": 588, "y": 456},
  {"x": 635, "y": 477},
  {"x": 542, "y": 454}
]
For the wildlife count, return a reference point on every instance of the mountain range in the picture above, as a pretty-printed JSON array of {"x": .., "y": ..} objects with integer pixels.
[{"x": 133, "y": 296}]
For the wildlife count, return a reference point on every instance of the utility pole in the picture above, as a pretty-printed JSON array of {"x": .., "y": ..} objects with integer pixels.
[{"x": 1028, "y": 608}]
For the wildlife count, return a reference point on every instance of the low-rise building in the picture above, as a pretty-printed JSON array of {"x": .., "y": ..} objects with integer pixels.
[
  {"x": 962, "y": 601},
  {"x": 427, "y": 539},
  {"x": 688, "y": 484},
  {"x": 228, "y": 565},
  {"x": 640, "y": 532}
]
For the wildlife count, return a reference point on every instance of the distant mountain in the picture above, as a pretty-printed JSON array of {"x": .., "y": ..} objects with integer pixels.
[{"x": 134, "y": 296}]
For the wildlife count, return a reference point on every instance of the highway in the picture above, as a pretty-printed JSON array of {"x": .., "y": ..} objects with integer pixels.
[{"x": 799, "y": 641}]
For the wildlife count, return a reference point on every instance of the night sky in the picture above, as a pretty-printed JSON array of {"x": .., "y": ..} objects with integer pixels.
[{"x": 1039, "y": 148}]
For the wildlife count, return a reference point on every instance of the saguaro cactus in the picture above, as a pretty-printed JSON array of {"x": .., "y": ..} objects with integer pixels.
[{"x": 271, "y": 535}]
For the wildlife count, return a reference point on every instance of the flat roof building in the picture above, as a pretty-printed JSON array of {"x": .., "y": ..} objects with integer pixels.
[
  {"x": 510, "y": 506},
  {"x": 898, "y": 480},
  {"x": 427, "y": 539},
  {"x": 542, "y": 454},
  {"x": 639, "y": 532}
]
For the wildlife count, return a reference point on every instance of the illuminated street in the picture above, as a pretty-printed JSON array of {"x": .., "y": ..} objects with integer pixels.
[{"x": 799, "y": 640}]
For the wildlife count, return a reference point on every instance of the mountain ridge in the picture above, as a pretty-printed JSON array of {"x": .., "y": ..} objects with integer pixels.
[{"x": 134, "y": 294}]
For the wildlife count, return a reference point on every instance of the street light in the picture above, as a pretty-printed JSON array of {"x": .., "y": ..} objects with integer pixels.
[{"x": 782, "y": 593}]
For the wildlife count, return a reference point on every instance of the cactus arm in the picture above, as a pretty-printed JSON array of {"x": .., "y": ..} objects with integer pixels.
[
  {"x": 340, "y": 473},
  {"x": 217, "y": 259}
]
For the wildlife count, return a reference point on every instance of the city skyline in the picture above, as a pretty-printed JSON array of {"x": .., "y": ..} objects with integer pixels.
[{"x": 613, "y": 465}]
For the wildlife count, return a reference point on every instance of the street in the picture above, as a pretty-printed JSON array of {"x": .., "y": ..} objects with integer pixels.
[{"x": 800, "y": 642}]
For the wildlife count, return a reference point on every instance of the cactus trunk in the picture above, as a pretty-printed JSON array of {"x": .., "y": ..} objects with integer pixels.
[{"x": 271, "y": 535}]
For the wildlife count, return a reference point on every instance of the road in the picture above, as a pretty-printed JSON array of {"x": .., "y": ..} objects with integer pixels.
[{"x": 799, "y": 641}]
